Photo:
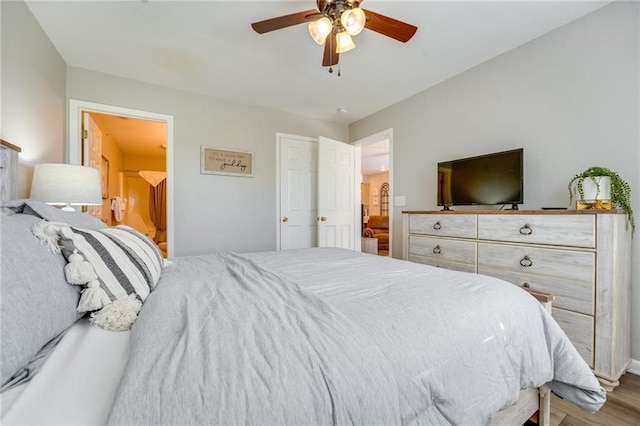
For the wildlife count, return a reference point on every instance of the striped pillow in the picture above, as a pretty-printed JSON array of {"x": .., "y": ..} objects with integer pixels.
[{"x": 126, "y": 261}]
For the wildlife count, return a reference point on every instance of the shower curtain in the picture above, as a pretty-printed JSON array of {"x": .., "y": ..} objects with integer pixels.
[
  {"x": 157, "y": 202},
  {"x": 158, "y": 210}
]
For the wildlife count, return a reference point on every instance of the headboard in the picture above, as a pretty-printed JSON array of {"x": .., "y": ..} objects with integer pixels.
[{"x": 8, "y": 170}]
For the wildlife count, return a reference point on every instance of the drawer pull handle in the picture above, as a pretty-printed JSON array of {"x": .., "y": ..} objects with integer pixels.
[
  {"x": 526, "y": 230},
  {"x": 526, "y": 262},
  {"x": 437, "y": 250},
  {"x": 437, "y": 226}
]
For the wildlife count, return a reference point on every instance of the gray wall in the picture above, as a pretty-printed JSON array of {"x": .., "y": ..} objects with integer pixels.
[
  {"x": 33, "y": 92},
  {"x": 570, "y": 98},
  {"x": 212, "y": 212}
]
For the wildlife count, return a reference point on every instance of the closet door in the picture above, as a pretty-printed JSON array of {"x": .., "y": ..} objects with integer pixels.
[
  {"x": 298, "y": 189},
  {"x": 318, "y": 195},
  {"x": 336, "y": 194}
]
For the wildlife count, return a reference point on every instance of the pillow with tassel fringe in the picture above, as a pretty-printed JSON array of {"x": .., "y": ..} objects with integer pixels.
[{"x": 118, "y": 266}]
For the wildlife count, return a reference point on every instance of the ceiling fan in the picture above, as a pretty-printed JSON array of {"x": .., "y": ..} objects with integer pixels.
[{"x": 333, "y": 24}]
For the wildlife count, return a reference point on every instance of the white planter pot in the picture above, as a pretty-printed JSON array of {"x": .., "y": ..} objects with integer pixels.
[{"x": 593, "y": 193}]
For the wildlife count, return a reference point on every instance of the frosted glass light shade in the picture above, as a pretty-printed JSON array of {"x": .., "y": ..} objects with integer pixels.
[
  {"x": 353, "y": 20},
  {"x": 66, "y": 184},
  {"x": 344, "y": 43},
  {"x": 320, "y": 29}
]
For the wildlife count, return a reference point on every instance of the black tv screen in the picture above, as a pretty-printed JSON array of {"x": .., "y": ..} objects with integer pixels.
[{"x": 487, "y": 179}]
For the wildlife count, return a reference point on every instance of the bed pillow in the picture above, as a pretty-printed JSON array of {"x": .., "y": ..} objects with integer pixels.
[
  {"x": 37, "y": 304},
  {"x": 127, "y": 266},
  {"x": 54, "y": 214}
]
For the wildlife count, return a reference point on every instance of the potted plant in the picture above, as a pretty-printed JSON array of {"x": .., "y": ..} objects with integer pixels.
[{"x": 600, "y": 183}]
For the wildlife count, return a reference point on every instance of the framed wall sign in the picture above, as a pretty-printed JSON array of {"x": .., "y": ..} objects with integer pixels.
[{"x": 220, "y": 161}]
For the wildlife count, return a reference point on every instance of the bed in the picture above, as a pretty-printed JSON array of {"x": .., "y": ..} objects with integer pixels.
[{"x": 315, "y": 336}]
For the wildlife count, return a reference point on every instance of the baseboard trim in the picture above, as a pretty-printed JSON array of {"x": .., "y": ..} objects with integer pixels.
[{"x": 634, "y": 367}]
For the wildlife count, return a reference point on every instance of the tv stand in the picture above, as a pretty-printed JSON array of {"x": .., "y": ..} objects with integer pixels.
[
  {"x": 445, "y": 209},
  {"x": 514, "y": 206}
]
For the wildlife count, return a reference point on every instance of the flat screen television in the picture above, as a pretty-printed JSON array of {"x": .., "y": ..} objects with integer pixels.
[{"x": 487, "y": 179}]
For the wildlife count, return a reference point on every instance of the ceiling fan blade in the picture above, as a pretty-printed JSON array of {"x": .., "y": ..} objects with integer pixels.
[
  {"x": 284, "y": 21},
  {"x": 330, "y": 57},
  {"x": 389, "y": 27}
]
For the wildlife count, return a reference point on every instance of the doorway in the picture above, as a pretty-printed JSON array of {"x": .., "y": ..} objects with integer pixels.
[
  {"x": 135, "y": 151},
  {"x": 377, "y": 188}
]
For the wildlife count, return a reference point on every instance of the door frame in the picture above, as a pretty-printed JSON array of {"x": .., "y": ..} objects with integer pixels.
[
  {"x": 371, "y": 139},
  {"x": 74, "y": 144}
]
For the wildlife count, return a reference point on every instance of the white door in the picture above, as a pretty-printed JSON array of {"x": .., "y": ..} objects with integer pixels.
[
  {"x": 92, "y": 152},
  {"x": 298, "y": 209},
  {"x": 336, "y": 194}
]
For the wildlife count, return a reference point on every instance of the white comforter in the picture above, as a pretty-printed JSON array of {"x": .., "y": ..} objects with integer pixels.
[{"x": 329, "y": 336}]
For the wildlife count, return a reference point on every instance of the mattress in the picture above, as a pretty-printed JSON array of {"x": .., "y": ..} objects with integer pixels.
[{"x": 70, "y": 389}]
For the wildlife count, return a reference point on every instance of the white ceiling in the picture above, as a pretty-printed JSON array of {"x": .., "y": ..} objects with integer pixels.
[
  {"x": 134, "y": 136},
  {"x": 375, "y": 157},
  {"x": 208, "y": 47}
]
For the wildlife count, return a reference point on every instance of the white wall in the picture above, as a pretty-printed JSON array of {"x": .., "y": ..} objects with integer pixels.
[
  {"x": 375, "y": 181},
  {"x": 212, "y": 212},
  {"x": 570, "y": 98},
  {"x": 33, "y": 92}
]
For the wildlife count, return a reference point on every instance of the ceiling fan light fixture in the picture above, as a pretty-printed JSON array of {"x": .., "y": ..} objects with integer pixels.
[
  {"x": 320, "y": 29},
  {"x": 353, "y": 20},
  {"x": 344, "y": 42}
]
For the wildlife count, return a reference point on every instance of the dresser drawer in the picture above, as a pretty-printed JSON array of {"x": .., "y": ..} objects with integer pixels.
[
  {"x": 450, "y": 254},
  {"x": 550, "y": 262},
  {"x": 579, "y": 329},
  {"x": 575, "y": 296},
  {"x": 444, "y": 225},
  {"x": 565, "y": 230}
]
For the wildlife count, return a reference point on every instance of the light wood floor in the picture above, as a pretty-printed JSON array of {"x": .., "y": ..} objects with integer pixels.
[{"x": 622, "y": 407}]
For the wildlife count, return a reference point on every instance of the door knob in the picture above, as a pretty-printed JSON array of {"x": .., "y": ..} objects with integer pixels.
[
  {"x": 323, "y": 219},
  {"x": 284, "y": 218}
]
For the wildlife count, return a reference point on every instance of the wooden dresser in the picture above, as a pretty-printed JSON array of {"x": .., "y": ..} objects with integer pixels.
[{"x": 582, "y": 257}]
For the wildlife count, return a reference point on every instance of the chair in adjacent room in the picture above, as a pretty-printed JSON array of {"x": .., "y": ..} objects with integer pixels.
[{"x": 378, "y": 227}]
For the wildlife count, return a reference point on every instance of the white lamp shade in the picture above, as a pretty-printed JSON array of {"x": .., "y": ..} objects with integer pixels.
[
  {"x": 353, "y": 20},
  {"x": 66, "y": 184}
]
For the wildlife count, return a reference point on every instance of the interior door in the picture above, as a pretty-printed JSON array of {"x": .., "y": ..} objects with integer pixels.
[
  {"x": 336, "y": 194},
  {"x": 92, "y": 152},
  {"x": 298, "y": 208}
]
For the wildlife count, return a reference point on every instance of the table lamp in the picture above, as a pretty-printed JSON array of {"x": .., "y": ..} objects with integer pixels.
[{"x": 66, "y": 185}]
